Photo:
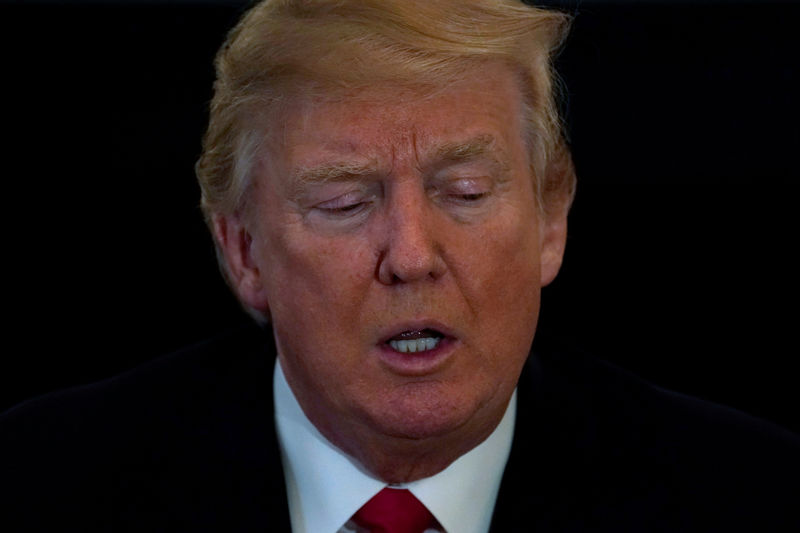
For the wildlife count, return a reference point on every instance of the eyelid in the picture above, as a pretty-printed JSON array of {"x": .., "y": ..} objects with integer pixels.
[
  {"x": 468, "y": 185},
  {"x": 342, "y": 201},
  {"x": 348, "y": 208},
  {"x": 333, "y": 194}
]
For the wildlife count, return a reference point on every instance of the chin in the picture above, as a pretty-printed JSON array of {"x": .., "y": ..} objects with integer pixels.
[{"x": 420, "y": 411}]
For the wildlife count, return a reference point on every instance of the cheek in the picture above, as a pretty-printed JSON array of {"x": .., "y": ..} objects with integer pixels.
[
  {"x": 507, "y": 297},
  {"x": 314, "y": 288},
  {"x": 524, "y": 270},
  {"x": 314, "y": 281},
  {"x": 507, "y": 253}
]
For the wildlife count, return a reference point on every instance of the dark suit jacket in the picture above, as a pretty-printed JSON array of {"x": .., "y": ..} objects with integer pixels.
[{"x": 187, "y": 443}]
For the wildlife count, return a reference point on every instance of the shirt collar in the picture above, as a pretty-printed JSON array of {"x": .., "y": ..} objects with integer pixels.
[{"x": 325, "y": 486}]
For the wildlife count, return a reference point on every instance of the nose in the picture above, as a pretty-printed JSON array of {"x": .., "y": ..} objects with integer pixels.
[{"x": 410, "y": 250}]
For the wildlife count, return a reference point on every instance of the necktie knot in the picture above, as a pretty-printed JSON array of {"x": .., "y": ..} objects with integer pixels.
[{"x": 394, "y": 511}]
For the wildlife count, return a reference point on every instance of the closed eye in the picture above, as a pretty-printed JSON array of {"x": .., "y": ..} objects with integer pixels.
[
  {"x": 341, "y": 210},
  {"x": 467, "y": 192},
  {"x": 343, "y": 206},
  {"x": 472, "y": 197},
  {"x": 466, "y": 200}
]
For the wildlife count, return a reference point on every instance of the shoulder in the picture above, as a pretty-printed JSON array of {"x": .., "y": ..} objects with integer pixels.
[
  {"x": 180, "y": 429},
  {"x": 626, "y": 455},
  {"x": 176, "y": 384},
  {"x": 618, "y": 405}
]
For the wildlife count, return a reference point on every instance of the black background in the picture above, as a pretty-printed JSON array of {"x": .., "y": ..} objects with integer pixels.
[{"x": 681, "y": 257}]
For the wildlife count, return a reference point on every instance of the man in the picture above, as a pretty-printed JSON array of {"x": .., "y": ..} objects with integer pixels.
[
  {"x": 388, "y": 186},
  {"x": 390, "y": 218}
]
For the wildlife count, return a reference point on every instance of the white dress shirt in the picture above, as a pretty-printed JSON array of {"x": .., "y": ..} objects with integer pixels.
[{"x": 325, "y": 486}]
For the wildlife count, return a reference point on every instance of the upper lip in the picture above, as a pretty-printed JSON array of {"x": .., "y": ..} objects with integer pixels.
[{"x": 389, "y": 332}]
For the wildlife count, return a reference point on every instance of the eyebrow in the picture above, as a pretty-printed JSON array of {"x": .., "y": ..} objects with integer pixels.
[
  {"x": 474, "y": 147},
  {"x": 455, "y": 152},
  {"x": 304, "y": 177},
  {"x": 481, "y": 146}
]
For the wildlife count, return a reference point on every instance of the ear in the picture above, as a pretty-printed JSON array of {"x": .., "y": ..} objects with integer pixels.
[
  {"x": 241, "y": 266},
  {"x": 559, "y": 189},
  {"x": 554, "y": 241}
]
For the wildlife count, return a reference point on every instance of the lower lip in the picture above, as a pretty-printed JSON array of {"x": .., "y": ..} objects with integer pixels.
[{"x": 417, "y": 363}]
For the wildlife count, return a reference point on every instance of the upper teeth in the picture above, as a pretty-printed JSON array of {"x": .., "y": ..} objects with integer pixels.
[{"x": 414, "y": 345}]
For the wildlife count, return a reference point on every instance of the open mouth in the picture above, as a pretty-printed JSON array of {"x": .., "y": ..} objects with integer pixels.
[{"x": 415, "y": 341}]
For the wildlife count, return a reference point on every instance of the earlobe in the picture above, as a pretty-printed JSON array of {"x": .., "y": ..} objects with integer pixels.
[
  {"x": 241, "y": 266},
  {"x": 554, "y": 241}
]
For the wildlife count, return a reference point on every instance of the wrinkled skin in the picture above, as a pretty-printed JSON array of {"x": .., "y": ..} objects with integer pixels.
[{"x": 380, "y": 213}]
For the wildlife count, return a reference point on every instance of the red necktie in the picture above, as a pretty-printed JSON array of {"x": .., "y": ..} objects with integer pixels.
[{"x": 394, "y": 511}]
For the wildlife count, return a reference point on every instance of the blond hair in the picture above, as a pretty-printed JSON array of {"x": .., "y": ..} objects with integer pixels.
[{"x": 282, "y": 47}]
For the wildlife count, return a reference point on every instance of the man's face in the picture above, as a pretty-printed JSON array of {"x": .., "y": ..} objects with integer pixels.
[{"x": 387, "y": 218}]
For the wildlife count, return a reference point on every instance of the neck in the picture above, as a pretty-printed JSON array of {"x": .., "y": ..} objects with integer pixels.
[{"x": 402, "y": 459}]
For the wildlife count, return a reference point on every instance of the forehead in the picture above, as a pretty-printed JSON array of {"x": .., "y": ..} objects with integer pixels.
[{"x": 385, "y": 122}]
